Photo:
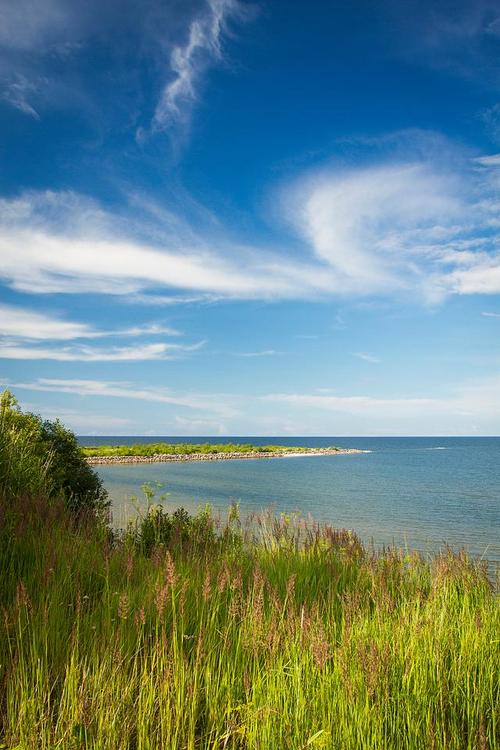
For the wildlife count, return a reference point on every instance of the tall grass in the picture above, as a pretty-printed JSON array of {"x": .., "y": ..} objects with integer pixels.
[
  {"x": 186, "y": 633},
  {"x": 23, "y": 468},
  {"x": 290, "y": 636}
]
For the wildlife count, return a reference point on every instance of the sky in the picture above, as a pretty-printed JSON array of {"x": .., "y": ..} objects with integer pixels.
[{"x": 223, "y": 217}]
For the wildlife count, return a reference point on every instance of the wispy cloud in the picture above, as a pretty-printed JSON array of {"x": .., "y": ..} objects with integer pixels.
[
  {"x": 491, "y": 314},
  {"x": 425, "y": 227},
  {"x": 61, "y": 243},
  {"x": 366, "y": 357},
  {"x": 263, "y": 353},
  {"x": 83, "y": 423},
  {"x": 429, "y": 225},
  {"x": 15, "y": 350},
  {"x": 18, "y": 93},
  {"x": 216, "y": 403},
  {"x": 202, "y": 48},
  {"x": 24, "y": 323},
  {"x": 479, "y": 399},
  {"x": 493, "y": 160},
  {"x": 161, "y": 300}
]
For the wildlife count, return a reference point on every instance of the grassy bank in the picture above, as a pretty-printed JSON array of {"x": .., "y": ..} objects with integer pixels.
[
  {"x": 184, "y": 449},
  {"x": 184, "y": 635},
  {"x": 193, "y": 633}
]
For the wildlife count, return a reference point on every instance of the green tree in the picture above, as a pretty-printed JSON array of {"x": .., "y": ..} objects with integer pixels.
[{"x": 42, "y": 457}]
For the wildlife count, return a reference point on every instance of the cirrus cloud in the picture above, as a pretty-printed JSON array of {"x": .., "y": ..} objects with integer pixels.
[{"x": 421, "y": 227}]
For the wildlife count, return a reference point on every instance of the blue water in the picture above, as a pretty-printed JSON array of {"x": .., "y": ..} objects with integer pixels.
[{"x": 417, "y": 492}]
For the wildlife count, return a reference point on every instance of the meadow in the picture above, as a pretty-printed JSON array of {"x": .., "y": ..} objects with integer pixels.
[{"x": 194, "y": 631}]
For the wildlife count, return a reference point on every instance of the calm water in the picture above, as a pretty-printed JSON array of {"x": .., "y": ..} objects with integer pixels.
[{"x": 419, "y": 492}]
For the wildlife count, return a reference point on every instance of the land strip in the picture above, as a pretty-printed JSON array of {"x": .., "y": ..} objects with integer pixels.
[{"x": 96, "y": 456}]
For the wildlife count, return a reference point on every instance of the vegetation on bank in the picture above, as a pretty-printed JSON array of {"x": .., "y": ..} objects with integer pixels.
[
  {"x": 191, "y": 632},
  {"x": 42, "y": 458},
  {"x": 184, "y": 449}
]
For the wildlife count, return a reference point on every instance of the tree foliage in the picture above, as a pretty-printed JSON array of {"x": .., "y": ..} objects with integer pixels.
[{"x": 40, "y": 456}]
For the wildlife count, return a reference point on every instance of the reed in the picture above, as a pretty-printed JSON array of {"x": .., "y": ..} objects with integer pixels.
[
  {"x": 194, "y": 632},
  {"x": 214, "y": 634}
]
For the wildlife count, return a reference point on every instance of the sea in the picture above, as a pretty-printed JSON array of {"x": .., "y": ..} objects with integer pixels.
[{"x": 413, "y": 492}]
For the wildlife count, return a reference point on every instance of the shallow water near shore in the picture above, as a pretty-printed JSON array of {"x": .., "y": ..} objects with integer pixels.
[{"x": 415, "y": 492}]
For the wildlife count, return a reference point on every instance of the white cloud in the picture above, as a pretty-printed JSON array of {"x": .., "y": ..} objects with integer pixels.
[
  {"x": 188, "y": 426},
  {"x": 216, "y": 403},
  {"x": 62, "y": 243},
  {"x": 263, "y": 353},
  {"x": 17, "y": 94},
  {"x": 491, "y": 314},
  {"x": 17, "y": 321},
  {"x": 482, "y": 276},
  {"x": 489, "y": 161},
  {"x": 467, "y": 408},
  {"x": 14, "y": 350},
  {"x": 478, "y": 400},
  {"x": 188, "y": 61},
  {"x": 366, "y": 357},
  {"x": 426, "y": 226},
  {"x": 162, "y": 300},
  {"x": 420, "y": 229},
  {"x": 147, "y": 329},
  {"x": 82, "y": 423},
  {"x": 21, "y": 327}
]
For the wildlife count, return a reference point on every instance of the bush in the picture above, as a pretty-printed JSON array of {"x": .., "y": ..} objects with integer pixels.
[
  {"x": 41, "y": 457},
  {"x": 177, "y": 530}
]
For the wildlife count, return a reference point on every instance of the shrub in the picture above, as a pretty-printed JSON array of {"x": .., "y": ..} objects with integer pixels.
[
  {"x": 156, "y": 527},
  {"x": 42, "y": 457}
]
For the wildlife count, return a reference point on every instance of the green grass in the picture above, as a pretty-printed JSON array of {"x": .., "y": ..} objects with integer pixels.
[
  {"x": 289, "y": 636},
  {"x": 176, "y": 449},
  {"x": 189, "y": 633}
]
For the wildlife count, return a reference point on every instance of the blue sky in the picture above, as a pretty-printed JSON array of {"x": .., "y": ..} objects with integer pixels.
[{"x": 225, "y": 217}]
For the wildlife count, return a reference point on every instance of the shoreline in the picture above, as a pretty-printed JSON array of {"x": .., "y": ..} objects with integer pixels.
[{"x": 251, "y": 455}]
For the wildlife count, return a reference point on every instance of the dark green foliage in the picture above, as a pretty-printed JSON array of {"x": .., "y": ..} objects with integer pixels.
[
  {"x": 82, "y": 487},
  {"x": 177, "y": 530},
  {"x": 41, "y": 457}
]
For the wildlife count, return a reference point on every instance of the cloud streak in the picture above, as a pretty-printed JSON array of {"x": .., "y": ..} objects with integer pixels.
[
  {"x": 126, "y": 390},
  {"x": 477, "y": 400},
  {"x": 17, "y": 95},
  {"x": 427, "y": 227},
  {"x": 469, "y": 407},
  {"x": 188, "y": 61},
  {"x": 366, "y": 357},
  {"x": 24, "y": 323},
  {"x": 15, "y": 350},
  {"x": 263, "y": 353}
]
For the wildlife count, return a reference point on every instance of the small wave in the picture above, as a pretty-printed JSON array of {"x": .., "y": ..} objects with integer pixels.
[{"x": 437, "y": 448}]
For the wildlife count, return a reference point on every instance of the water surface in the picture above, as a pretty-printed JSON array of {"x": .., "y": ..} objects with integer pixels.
[{"x": 418, "y": 492}]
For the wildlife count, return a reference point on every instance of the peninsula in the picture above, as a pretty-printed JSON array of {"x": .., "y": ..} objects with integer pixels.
[{"x": 164, "y": 452}]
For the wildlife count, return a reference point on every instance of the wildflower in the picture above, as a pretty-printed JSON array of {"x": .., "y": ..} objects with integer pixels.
[
  {"x": 161, "y": 599},
  {"x": 129, "y": 566},
  {"x": 171, "y": 576},
  {"x": 139, "y": 617},
  {"x": 123, "y": 607},
  {"x": 207, "y": 586}
]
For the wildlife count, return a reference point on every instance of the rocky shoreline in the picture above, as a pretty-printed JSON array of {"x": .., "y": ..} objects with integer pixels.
[{"x": 167, "y": 457}]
